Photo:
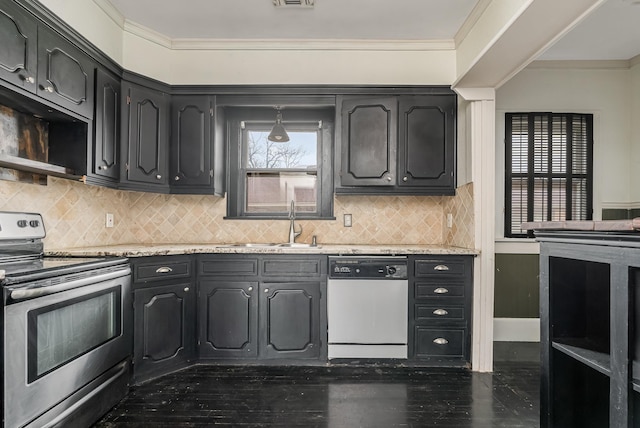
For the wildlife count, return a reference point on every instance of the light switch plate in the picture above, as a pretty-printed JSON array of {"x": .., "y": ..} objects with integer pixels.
[
  {"x": 109, "y": 220},
  {"x": 347, "y": 220}
]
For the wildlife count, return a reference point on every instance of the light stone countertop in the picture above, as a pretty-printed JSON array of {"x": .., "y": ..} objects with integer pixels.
[{"x": 140, "y": 250}]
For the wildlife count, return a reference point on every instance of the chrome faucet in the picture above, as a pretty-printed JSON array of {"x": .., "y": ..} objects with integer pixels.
[{"x": 292, "y": 226}]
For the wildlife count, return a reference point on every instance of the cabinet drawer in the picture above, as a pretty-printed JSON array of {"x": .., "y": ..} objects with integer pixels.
[
  {"x": 439, "y": 343},
  {"x": 437, "y": 289},
  {"x": 160, "y": 269},
  {"x": 291, "y": 267},
  {"x": 440, "y": 267},
  {"x": 439, "y": 313},
  {"x": 228, "y": 267}
]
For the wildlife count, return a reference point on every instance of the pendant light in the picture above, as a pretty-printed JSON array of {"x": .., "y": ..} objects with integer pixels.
[{"x": 278, "y": 133}]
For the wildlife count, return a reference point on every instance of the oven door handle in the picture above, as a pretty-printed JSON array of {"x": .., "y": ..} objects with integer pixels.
[{"x": 20, "y": 294}]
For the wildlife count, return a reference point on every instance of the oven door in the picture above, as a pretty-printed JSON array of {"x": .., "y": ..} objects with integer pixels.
[{"x": 57, "y": 343}]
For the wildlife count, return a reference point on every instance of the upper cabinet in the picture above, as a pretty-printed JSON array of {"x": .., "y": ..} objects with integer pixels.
[
  {"x": 397, "y": 144},
  {"x": 104, "y": 159},
  {"x": 65, "y": 73},
  {"x": 19, "y": 35},
  {"x": 39, "y": 60},
  {"x": 193, "y": 147},
  {"x": 145, "y": 138}
]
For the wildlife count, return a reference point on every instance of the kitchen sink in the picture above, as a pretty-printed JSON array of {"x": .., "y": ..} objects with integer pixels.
[{"x": 260, "y": 245}]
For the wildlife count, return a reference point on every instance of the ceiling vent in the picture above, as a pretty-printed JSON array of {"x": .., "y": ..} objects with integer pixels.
[{"x": 307, "y": 3}]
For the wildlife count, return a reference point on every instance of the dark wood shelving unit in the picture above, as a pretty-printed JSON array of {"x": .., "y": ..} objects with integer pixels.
[{"x": 590, "y": 329}]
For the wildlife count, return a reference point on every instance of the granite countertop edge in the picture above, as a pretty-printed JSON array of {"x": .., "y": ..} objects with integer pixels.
[
  {"x": 630, "y": 225},
  {"x": 142, "y": 250}
]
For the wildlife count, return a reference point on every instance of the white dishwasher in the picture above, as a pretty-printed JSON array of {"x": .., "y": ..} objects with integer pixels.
[{"x": 367, "y": 307}]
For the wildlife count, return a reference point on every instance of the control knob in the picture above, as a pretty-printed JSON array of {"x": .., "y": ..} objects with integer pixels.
[
  {"x": 392, "y": 270},
  {"x": 22, "y": 223}
]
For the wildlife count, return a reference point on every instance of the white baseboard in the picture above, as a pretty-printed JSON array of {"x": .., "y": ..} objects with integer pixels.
[{"x": 516, "y": 329}]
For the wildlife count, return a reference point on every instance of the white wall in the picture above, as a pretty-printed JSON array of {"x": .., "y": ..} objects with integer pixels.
[
  {"x": 86, "y": 17},
  {"x": 605, "y": 92}
]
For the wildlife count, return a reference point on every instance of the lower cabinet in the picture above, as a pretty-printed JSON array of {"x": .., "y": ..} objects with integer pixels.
[
  {"x": 440, "y": 309},
  {"x": 164, "y": 306},
  {"x": 273, "y": 311}
]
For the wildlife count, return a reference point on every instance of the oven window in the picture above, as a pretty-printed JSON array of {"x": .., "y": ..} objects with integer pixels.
[{"x": 65, "y": 331}]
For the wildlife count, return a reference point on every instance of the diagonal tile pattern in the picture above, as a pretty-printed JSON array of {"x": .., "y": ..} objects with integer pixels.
[{"x": 74, "y": 215}]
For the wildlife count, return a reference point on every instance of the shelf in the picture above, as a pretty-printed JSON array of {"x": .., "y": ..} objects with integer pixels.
[
  {"x": 36, "y": 167},
  {"x": 596, "y": 360}
]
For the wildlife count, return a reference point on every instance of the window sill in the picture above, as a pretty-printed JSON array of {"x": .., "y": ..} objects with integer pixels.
[{"x": 298, "y": 217}]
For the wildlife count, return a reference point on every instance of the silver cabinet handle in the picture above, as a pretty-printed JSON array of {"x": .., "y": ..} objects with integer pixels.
[
  {"x": 266, "y": 290},
  {"x": 440, "y": 341},
  {"x": 440, "y": 312},
  {"x": 405, "y": 179},
  {"x": 389, "y": 178},
  {"x": 441, "y": 268},
  {"x": 177, "y": 178},
  {"x": 250, "y": 289},
  {"x": 441, "y": 290},
  {"x": 49, "y": 89},
  {"x": 159, "y": 177},
  {"x": 30, "y": 80},
  {"x": 164, "y": 269},
  {"x": 186, "y": 289}
]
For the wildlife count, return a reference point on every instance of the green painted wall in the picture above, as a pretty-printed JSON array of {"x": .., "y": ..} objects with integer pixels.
[{"x": 517, "y": 292}]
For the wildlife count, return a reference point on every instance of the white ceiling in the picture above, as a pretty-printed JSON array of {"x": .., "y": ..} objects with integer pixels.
[{"x": 612, "y": 32}]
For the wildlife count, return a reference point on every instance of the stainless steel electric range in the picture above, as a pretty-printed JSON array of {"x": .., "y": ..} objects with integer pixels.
[{"x": 67, "y": 335}]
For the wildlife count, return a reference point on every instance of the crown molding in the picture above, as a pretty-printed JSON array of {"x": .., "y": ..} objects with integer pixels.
[
  {"x": 110, "y": 10},
  {"x": 312, "y": 44},
  {"x": 471, "y": 20},
  {"x": 582, "y": 64}
]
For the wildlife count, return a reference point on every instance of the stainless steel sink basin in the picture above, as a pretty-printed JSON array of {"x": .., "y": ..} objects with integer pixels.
[
  {"x": 297, "y": 245},
  {"x": 250, "y": 245},
  {"x": 260, "y": 245}
]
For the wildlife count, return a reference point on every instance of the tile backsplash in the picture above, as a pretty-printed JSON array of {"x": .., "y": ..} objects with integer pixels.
[{"x": 74, "y": 216}]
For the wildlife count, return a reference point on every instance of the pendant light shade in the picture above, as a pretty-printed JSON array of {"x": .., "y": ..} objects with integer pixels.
[{"x": 278, "y": 133}]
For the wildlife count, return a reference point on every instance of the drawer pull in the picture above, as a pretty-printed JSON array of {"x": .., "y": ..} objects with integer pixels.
[
  {"x": 164, "y": 269},
  {"x": 441, "y": 312},
  {"x": 250, "y": 289},
  {"x": 441, "y": 290},
  {"x": 441, "y": 268},
  {"x": 440, "y": 341},
  {"x": 186, "y": 289}
]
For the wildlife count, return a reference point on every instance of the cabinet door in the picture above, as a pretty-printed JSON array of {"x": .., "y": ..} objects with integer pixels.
[
  {"x": 369, "y": 141},
  {"x": 106, "y": 141},
  {"x": 18, "y": 32},
  {"x": 164, "y": 332},
  {"x": 290, "y": 320},
  {"x": 65, "y": 73},
  {"x": 227, "y": 319},
  {"x": 191, "y": 141},
  {"x": 426, "y": 146},
  {"x": 145, "y": 135}
]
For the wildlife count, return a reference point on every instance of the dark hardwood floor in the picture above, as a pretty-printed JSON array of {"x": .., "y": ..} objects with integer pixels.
[{"x": 344, "y": 397}]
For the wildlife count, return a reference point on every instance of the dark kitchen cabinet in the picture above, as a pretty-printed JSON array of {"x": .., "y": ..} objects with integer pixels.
[
  {"x": 440, "y": 309},
  {"x": 164, "y": 315},
  {"x": 18, "y": 56},
  {"x": 290, "y": 319},
  {"x": 193, "y": 146},
  {"x": 227, "y": 317},
  {"x": 369, "y": 141},
  {"x": 397, "y": 144},
  {"x": 267, "y": 307},
  {"x": 426, "y": 142},
  {"x": 38, "y": 60},
  {"x": 65, "y": 73},
  {"x": 104, "y": 158},
  {"x": 145, "y": 138}
]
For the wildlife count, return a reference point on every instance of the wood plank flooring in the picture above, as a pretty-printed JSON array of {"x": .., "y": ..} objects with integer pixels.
[{"x": 333, "y": 397}]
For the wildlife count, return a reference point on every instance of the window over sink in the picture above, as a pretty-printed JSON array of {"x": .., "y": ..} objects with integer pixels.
[{"x": 265, "y": 176}]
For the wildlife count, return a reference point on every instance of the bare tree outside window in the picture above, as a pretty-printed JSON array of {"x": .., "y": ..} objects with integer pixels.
[{"x": 262, "y": 153}]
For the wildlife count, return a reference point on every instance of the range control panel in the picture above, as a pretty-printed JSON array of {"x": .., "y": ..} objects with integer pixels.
[
  {"x": 18, "y": 225},
  {"x": 367, "y": 267}
]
